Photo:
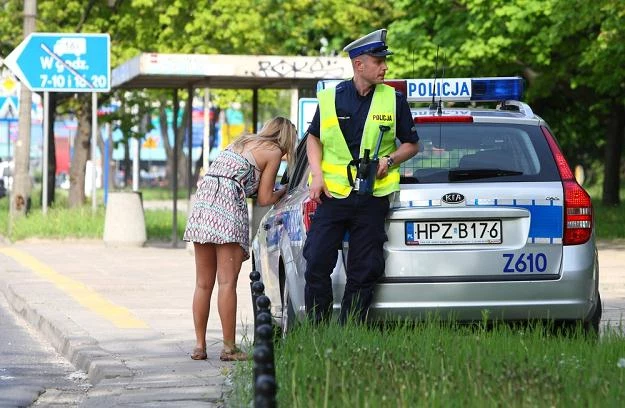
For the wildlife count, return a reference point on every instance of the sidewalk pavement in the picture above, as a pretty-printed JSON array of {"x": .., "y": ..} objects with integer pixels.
[
  {"x": 612, "y": 283},
  {"x": 123, "y": 315}
]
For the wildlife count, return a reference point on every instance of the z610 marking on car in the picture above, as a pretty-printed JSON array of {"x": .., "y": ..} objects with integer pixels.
[{"x": 525, "y": 262}]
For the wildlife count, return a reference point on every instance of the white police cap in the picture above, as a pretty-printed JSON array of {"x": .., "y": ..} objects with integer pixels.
[{"x": 373, "y": 44}]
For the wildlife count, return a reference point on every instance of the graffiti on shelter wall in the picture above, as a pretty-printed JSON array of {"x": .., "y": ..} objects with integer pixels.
[{"x": 315, "y": 68}]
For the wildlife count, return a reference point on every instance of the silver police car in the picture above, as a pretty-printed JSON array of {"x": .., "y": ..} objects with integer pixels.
[{"x": 489, "y": 223}]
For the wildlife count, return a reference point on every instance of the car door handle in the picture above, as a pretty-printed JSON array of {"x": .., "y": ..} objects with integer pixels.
[{"x": 278, "y": 221}]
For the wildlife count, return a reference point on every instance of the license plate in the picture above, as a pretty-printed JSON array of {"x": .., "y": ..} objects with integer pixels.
[{"x": 453, "y": 232}]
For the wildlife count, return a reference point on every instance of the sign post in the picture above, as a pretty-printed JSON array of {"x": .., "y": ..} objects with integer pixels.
[
  {"x": 64, "y": 62},
  {"x": 44, "y": 153}
]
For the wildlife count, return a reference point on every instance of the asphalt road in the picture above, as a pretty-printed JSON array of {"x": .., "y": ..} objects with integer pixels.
[{"x": 31, "y": 371}]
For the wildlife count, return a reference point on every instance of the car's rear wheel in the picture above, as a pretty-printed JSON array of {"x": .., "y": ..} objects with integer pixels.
[
  {"x": 588, "y": 326},
  {"x": 592, "y": 324}
]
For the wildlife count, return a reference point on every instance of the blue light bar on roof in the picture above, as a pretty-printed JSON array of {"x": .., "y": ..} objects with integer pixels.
[
  {"x": 493, "y": 89},
  {"x": 465, "y": 89},
  {"x": 496, "y": 89}
]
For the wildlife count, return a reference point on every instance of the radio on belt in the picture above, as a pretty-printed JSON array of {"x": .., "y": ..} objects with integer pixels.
[{"x": 366, "y": 168}]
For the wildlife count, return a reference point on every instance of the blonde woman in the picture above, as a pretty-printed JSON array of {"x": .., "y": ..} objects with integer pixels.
[{"x": 218, "y": 225}]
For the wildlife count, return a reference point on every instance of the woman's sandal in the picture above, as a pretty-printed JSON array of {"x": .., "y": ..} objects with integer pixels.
[
  {"x": 234, "y": 354},
  {"x": 198, "y": 354}
]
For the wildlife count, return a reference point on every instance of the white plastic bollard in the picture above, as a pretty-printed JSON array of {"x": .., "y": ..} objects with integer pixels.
[{"x": 124, "y": 221}]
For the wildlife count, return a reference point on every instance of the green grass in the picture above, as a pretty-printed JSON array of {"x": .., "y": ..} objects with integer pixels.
[
  {"x": 61, "y": 222},
  {"x": 441, "y": 365},
  {"x": 159, "y": 223},
  {"x": 608, "y": 219},
  {"x": 160, "y": 193},
  {"x": 58, "y": 223}
]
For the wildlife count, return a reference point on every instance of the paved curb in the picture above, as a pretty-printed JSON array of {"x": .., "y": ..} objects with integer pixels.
[{"x": 68, "y": 339}]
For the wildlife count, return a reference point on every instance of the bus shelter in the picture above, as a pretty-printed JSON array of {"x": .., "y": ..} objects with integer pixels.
[{"x": 218, "y": 71}]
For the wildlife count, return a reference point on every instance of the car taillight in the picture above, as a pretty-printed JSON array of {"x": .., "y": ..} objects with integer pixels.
[
  {"x": 577, "y": 202},
  {"x": 308, "y": 209}
]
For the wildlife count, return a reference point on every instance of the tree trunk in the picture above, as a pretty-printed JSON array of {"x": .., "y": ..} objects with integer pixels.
[
  {"x": 183, "y": 163},
  {"x": 179, "y": 131},
  {"x": 199, "y": 163},
  {"x": 21, "y": 186},
  {"x": 183, "y": 166},
  {"x": 613, "y": 150},
  {"x": 82, "y": 146},
  {"x": 127, "y": 164}
]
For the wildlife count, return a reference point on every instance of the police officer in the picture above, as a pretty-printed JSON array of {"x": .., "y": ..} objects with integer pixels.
[{"x": 347, "y": 122}]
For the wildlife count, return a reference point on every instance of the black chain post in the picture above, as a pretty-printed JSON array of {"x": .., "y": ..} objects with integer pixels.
[
  {"x": 265, "y": 392},
  {"x": 256, "y": 292},
  {"x": 265, "y": 386}
]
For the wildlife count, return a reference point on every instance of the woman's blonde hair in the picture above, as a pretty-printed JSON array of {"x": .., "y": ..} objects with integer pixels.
[{"x": 278, "y": 131}]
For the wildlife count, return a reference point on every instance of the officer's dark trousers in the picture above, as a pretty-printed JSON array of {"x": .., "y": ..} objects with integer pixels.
[{"x": 363, "y": 217}]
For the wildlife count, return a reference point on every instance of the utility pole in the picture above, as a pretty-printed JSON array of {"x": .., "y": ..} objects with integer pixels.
[{"x": 21, "y": 189}]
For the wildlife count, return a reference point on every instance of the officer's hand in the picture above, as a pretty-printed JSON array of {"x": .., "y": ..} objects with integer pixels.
[
  {"x": 316, "y": 188},
  {"x": 382, "y": 168}
]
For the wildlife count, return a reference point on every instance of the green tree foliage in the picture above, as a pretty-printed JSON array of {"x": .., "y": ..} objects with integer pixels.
[
  {"x": 571, "y": 54},
  {"x": 11, "y": 32}
]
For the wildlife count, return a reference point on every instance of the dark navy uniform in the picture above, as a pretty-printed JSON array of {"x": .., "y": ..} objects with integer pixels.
[{"x": 361, "y": 216}]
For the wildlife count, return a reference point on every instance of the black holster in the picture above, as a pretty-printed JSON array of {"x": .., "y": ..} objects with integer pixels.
[{"x": 366, "y": 171}]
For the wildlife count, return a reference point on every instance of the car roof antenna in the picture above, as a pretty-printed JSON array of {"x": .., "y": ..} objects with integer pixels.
[
  {"x": 440, "y": 97},
  {"x": 433, "y": 105}
]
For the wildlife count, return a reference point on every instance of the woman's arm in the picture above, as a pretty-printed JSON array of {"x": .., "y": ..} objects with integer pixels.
[{"x": 266, "y": 195}]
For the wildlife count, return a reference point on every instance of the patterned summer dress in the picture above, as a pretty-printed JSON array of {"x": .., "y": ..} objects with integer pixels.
[{"x": 219, "y": 214}]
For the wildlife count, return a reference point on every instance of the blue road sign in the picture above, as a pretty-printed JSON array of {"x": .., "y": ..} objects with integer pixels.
[
  {"x": 63, "y": 62},
  {"x": 8, "y": 108}
]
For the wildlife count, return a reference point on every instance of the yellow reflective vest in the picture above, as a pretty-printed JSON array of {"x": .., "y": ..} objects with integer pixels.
[{"x": 336, "y": 154}]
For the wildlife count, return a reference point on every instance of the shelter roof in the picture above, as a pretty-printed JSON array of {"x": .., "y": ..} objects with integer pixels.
[{"x": 152, "y": 70}]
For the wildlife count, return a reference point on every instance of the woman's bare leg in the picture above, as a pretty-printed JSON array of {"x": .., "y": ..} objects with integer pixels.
[
  {"x": 205, "y": 272},
  {"x": 229, "y": 260}
]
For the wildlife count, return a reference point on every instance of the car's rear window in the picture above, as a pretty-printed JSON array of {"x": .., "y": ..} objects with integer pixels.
[{"x": 483, "y": 152}]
